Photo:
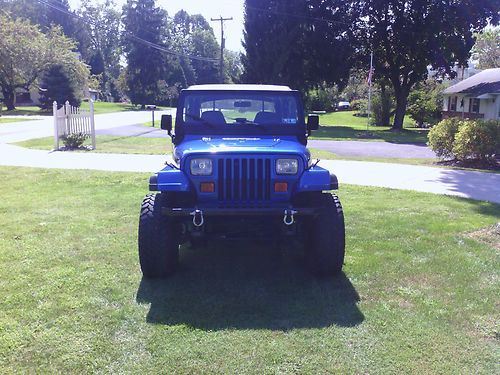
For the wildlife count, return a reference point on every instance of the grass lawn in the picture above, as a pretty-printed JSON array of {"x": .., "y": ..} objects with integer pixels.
[
  {"x": 26, "y": 111},
  {"x": 112, "y": 144},
  {"x": 419, "y": 293},
  {"x": 345, "y": 126},
  {"x": 4, "y": 120}
]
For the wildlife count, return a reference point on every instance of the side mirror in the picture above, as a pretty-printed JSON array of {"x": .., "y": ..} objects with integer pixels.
[
  {"x": 312, "y": 123},
  {"x": 166, "y": 123}
]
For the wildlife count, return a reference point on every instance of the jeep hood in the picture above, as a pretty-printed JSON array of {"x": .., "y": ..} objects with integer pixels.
[{"x": 238, "y": 145}]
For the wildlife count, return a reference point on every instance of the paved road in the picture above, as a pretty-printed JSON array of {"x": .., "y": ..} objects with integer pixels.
[
  {"x": 21, "y": 131},
  {"x": 342, "y": 148},
  {"x": 374, "y": 149}
]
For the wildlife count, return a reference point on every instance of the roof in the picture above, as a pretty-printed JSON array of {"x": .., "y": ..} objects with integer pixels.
[
  {"x": 230, "y": 87},
  {"x": 485, "y": 82}
]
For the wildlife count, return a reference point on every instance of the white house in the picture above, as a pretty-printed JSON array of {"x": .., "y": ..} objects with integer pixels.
[{"x": 475, "y": 97}]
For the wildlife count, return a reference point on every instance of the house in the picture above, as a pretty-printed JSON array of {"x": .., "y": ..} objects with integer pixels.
[
  {"x": 475, "y": 97},
  {"x": 32, "y": 97}
]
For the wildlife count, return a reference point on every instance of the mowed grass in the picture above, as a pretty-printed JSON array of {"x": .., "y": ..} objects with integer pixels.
[
  {"x": 345, "y": 126},
  {"x": 419, "y": 293},
  {"x": 111, "y": 144},
  {"x": 8, "y": 120}
]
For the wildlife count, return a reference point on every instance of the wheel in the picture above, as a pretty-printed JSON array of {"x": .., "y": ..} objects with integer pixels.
[
  {"x": 326, "y": 247},
  {"x": 158, "y": 239}
]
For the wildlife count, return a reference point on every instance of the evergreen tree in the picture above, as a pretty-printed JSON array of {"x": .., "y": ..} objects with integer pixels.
[
  {"x": 57, "y": 86},
  {"x": 300, "y": 43},
  {"x": 144, "y": 27}
]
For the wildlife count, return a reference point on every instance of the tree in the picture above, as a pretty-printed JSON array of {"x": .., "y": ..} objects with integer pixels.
[
  {"x": 99, "y": 39},
  {"x": 25, "y": 53},
  {"x": 57, "y": 85},
  {"x": 57, "y": 13},
  {"x": 407, "y": 36},
  {"x": 192, "y": 35},
  {"x": 144, "y": 28},
  {"x": 487, "y": 48},
  {"x": 300, "y": 43},
  {"x": 233, "y": 68},
  {"x": 425, "y": 102}
]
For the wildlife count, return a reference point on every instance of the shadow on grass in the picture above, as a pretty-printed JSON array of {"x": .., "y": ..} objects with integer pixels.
[
  {"x": 240, "y": 286},
  {"x": 416, "y": 137}
]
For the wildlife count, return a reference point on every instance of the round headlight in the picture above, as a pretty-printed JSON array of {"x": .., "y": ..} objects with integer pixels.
[
  {"x": 287, "y": 166},
  {"x": 201, "y": 167}
]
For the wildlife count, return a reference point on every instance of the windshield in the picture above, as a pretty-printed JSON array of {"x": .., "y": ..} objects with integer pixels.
[{"x": 252, "y": 108}]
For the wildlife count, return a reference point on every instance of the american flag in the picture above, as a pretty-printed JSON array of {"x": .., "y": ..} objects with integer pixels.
[{"x": 370, "y": 76}]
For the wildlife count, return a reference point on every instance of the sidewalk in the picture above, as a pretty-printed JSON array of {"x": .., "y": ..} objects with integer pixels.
[
  {"x": 22, "y": 131},
  {"x": 468, "y": 184}
]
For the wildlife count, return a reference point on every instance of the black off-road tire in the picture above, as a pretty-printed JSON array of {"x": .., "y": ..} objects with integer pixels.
[
  {"x": 326, "y": 248},
  {"x": 158, "y": 240}
]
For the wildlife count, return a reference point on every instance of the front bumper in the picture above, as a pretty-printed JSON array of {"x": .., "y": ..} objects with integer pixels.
[{"x": 215, "y": 211}]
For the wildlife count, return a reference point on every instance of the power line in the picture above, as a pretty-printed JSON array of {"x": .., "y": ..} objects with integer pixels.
[{"x": 133, "y": 37}]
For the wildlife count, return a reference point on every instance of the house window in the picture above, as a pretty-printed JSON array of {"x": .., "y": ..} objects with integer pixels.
[
  {"x": 474, "y": 105},
  {"x": 452, "y": 103}
]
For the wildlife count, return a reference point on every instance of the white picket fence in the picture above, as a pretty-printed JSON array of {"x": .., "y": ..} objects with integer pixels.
[{"x": 71, "y": 120}]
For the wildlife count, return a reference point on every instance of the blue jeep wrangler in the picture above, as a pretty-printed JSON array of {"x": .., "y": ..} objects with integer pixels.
[{"x": 241, "y": 166}]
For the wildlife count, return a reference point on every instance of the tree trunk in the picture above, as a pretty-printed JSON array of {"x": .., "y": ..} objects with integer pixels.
[
  {"x": 9, "y": 98},
  {"x": 401, "y": 102}
]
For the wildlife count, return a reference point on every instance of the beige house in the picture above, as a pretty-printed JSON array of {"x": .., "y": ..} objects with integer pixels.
[{"x": 475, "y": 97}]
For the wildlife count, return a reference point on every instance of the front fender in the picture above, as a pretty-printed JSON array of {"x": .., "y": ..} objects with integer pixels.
[
  {"x": 317, "y": 179},
  {"x": 169, "y": 179}
]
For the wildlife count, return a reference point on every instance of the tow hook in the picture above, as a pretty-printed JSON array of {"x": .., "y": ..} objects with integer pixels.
[
  {"x": 288, "y": 219},
  {"x": 197, "y": 218}
]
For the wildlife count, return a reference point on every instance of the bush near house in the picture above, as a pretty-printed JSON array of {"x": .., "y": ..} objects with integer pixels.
[
  {"x": 442, "y": 136},
  {"x": 477, "y": 140},
  {"x": 465, "y": 140}
]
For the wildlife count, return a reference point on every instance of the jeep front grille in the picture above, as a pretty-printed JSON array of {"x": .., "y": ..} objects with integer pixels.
[{"x": 244, "y": 180}]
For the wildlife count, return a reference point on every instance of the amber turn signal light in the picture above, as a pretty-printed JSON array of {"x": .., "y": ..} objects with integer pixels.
[
  {"x": 280, "y": 187},
  {"x": 207, "y": 187}
]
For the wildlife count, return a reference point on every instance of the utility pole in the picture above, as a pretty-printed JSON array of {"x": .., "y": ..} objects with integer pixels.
[
  {"x": 222, "y": 43},
  {"x": 370, "y": 77}
]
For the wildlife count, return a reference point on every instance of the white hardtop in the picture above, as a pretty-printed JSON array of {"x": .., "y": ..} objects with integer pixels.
[{"x": 245, "y": 87}]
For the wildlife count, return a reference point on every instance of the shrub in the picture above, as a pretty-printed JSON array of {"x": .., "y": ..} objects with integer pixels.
[
  {"x": 425, "y": 103},
  {"x": 442, "y": 136},
  {"x": 74, "y": 141},
  {"x": 321, "y": 98},
  {"x": 477, "y": 140},
  {"x": 382, "y": 106},
  {"x": 360, "y": 105}
]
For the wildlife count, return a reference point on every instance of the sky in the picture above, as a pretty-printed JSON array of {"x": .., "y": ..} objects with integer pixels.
[{"x": 233, "y": 30}]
